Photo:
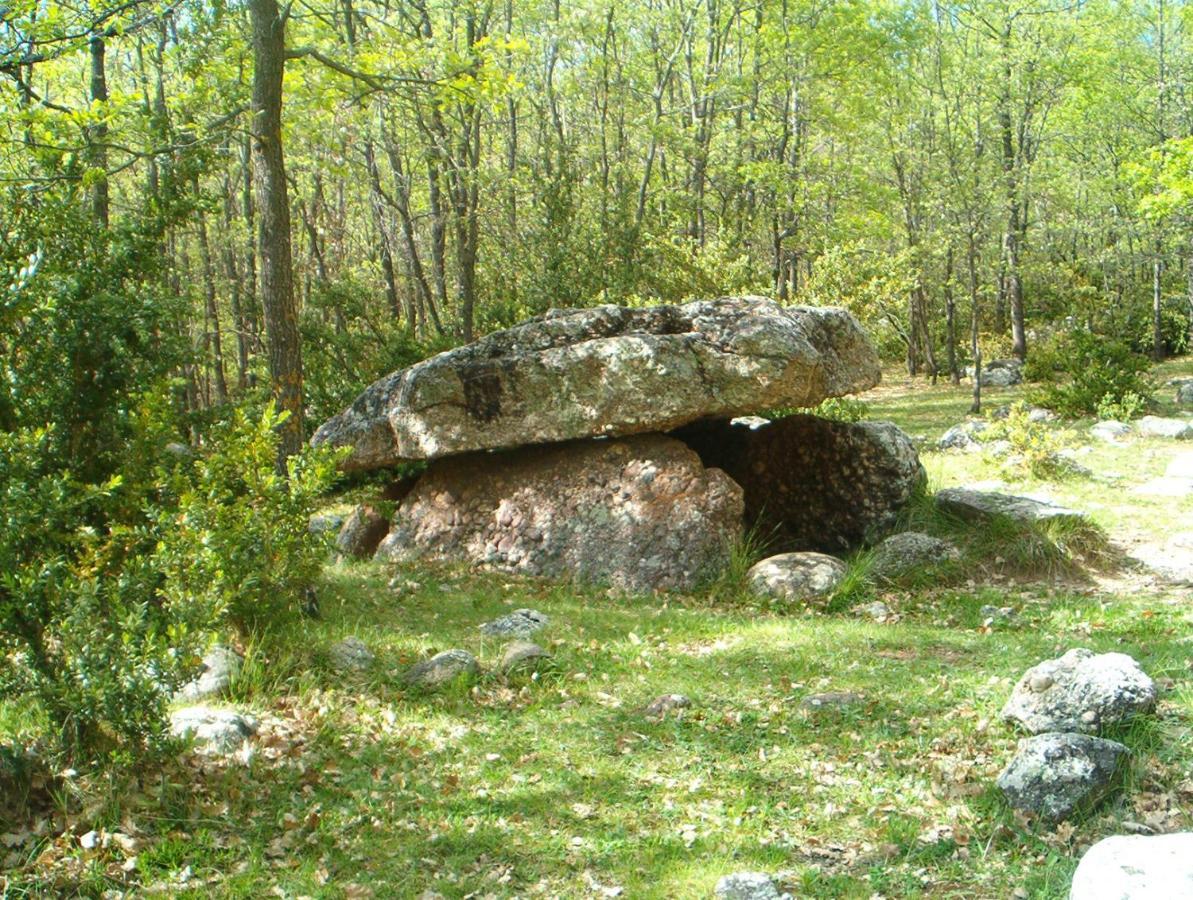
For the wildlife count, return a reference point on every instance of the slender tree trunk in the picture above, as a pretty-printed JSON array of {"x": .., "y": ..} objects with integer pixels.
[
  {"x": 97, "y": 134},
  {"x": 950, "y": 315},
  {"x": 277, "y": 266},
  {"x": 214, "y": 337},
  {"x": 975, "y": 319},
  {"x": 1157, "y": 305}
]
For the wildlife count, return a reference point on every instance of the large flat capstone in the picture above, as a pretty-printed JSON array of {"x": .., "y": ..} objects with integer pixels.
[
  {"x": 608, "y": 371},
  {"x": 638, "y": 513}
]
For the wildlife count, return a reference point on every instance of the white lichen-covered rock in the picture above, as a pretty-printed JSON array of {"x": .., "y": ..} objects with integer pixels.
[
  {"x": 1136, "y": 867},
  {"x": 810, "y": 483},
  {"x": 606, "y": 371},
  {"x": 966, "y": 503},
  {"x": 350, "y": 655},
  {"x": 221, "y": 665},
  {"x": 908, "y": 551},
  {"x": 1054, "y": 775},
  {"x": 1109, "y": 430},
  {"x": 212, "y": 730},
  {"x": 963, "y": 437},
  {"x": 1184, "y": 394},
  {"x": 521, "y": 623},
  {"x": 748, "y": 886},
  {"x": 1080, "y": 691},
  {"x": 794, "y": 577},
  {"x": 637, "y": 513},
  {"x": 443, "y": 668},
  {"x": 999, "y": 373},
  {"x": 1158, "y": 426}
]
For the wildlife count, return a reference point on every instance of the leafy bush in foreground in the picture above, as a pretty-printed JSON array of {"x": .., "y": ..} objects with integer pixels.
[
  {"x": 83, "y": 629},
  {"x": 239, "y": 540}
]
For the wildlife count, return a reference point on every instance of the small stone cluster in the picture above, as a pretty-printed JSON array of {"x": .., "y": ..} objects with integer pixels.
[{"x": 1064, "y": 704}]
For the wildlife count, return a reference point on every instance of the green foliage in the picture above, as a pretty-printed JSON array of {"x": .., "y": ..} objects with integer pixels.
[
  {"x": 1174, "y": 330},
  {"x": 1034, "y": 446},
  {"x": 85, "y": 328},
  {"x": 1081, "y": 370},
  {"x": 83, "y": 629},
  {"x": 347, "y": 345},
  {"x": 1122, "y": 409},
  {"x": 238, "y": 542},
  {"x": 842, "y": 409},
  {"x": 873, "y": 285}
]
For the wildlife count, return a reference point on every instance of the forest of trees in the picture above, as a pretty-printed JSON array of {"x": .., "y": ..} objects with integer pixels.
[{"x": 346, "y": 186}]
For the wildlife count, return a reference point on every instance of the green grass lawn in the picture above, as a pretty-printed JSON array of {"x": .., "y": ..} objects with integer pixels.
[{"x": 559, "y": 786}]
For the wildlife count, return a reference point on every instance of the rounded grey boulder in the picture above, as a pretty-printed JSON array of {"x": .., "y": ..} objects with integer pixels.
[
  {"x": 350, "y": 655},
  {"x": 747, "y": 886},
  {"x": 910, "y": 550},
  {"x": 221, "y": 665},
  {"x": 1054, "y": 775},
  {"x": 212, "y": 730},
  {"x": 523, "y": 658},
  {"x": 443, "y": 668},
  {"x": 520, "y": 623},
  {"x": 1080, "y": 691},
  {"x": 792, "y": 577}
]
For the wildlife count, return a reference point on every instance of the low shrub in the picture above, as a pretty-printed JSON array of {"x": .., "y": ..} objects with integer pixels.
[
  {"x": 1034, "y": 446},
  {"x": 84, "y": 632},
  {"x": 1080, "y": 370},
  {"x": 239, "y": 541}
]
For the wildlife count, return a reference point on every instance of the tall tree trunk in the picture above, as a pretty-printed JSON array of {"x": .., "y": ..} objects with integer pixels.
[
  {"x": 214, "y": 339},
  {"x": 1157, "y": 305},
  {"x": 97, "y": 134},
  {"x": 277, "y": 266}
]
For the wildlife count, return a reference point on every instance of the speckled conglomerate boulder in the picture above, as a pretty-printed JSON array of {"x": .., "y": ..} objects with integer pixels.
[
  {"x": 638, "y": 513},
  {"x": 1080, "y": 691},
  {"x": 606, "y": 371},
  {"x": 811, "y": 483}
]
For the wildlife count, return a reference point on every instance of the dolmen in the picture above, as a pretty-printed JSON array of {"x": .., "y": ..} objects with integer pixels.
[{"x": 611, "y": 444}]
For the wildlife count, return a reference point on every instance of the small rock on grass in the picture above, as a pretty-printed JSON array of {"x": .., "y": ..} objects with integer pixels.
[
  {"x": 835, "y": 699},
  {"x": 983, "y": 506},
  {"x": 1081, "y": 691},
  {"x": 443, "y": 668},
  {"x": 997, "y": 613},
  {"x": 213, "y": 730},
  {"x": 1135, "y": 867},
  {"x": 221, "y": 665},
  {"x": 350, "y": 655},
  {"x": 1160, "y": 427},
  {"x": 748, "y": 886},
  {"x": 1109, "y": 430},
  {"x": 667, "y": 703},
  {"x": 520, "y": 623},
  {"x": 878, "y": 611},
  {"x": 1054, "y": 775},
  {"x": 792, "y": 577},
  {"x": 524, "y": 657},
  {"x": 903, "y": 553}
]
